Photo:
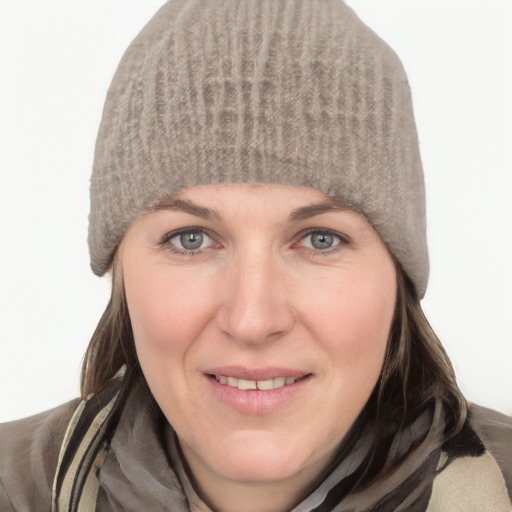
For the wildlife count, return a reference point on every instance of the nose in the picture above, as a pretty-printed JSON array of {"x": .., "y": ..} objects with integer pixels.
[{"x": 256, "y": 306}]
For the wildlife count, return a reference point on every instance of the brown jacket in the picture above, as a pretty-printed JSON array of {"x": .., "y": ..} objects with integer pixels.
[{"x": 138, "y": 474}]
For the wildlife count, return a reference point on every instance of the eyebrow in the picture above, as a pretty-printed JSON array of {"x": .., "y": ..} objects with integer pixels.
[
  {"x": 306, "y": 212},
  {"x": 184, "y": 205},
  {"x": 297, "y": 215}
]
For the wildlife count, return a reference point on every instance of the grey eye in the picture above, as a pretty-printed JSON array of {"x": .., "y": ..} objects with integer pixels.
[
  {"x": 191, "y": 241},
  {"x": 188, "y": 242},
  {"x": 322, "y": 240}
]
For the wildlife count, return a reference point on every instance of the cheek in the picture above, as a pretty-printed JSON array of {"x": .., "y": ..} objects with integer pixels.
[
  {"x": 166, "y": 312},
  {"x": 352, "y": 319}
]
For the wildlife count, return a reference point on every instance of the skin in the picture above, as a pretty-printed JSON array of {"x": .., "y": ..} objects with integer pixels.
[{"x": 258, "y": 295}]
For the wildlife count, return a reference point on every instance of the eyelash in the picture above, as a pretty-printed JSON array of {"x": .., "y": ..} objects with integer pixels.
[
  {"x": 164, "y": 241},
  {"x": 342, "y": 240}
]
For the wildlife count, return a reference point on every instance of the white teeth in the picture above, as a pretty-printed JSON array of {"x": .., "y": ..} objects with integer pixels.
[
  {"x": 262, "y": 385},
  {"x": 279, "y": 382},
  {"x": 265, "y": 385},
  {"x": 232, "y": 382},
  {"x": 246, "y": 384}
]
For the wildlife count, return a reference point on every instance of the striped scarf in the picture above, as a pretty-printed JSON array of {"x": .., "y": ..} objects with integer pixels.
[{"x": 148, "y": 472}]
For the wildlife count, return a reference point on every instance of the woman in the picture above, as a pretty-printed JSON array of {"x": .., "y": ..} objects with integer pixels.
[{"x": 257, "y": 195}]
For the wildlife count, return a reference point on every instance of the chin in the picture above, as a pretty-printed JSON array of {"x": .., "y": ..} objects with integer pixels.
[
  {"x": 264, "y": 460},
  {"x": 261, "y": 469}
]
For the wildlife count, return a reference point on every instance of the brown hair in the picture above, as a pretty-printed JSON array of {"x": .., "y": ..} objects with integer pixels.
[
  {"x": 112, "y": 347},
  {"x": 417, "y": 375},
  {"x": 416, "y": 372}
]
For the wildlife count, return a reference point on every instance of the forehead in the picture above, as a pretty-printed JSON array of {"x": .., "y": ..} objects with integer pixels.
[{"x": 210, "y": 200}]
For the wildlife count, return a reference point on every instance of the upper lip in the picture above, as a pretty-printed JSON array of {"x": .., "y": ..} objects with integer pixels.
[{"x": 256, "y": 374}]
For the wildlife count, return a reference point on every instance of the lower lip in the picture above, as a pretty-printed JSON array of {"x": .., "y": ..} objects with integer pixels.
[{"x": 254, "y": 401}]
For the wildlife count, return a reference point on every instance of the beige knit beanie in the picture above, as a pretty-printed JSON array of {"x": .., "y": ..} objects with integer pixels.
[{"x": 291, "y": 92}]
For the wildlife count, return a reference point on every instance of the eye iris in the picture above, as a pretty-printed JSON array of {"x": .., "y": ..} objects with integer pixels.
[
  {"x": 322, "y": 240},
  {"x": 191, "y": 241}
]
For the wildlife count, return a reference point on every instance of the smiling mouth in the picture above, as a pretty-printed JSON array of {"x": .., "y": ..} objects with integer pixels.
[{"x": 261, "y": 385}]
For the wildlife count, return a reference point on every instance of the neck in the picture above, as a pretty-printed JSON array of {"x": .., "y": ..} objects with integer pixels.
[{"x": 224, "y": 495}]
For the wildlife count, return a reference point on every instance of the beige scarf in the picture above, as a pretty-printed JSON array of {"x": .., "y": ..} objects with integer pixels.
[{"x": 136, "y": 465}]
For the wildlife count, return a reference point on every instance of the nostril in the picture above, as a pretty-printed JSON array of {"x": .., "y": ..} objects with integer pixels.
[{"x": 256, "y": 323}]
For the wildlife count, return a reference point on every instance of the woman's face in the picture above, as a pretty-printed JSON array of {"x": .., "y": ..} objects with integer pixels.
[{"x": 261, "y": 315}]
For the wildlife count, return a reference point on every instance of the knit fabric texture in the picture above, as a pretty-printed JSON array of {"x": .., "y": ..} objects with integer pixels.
[{"x": 288, "y": 92}]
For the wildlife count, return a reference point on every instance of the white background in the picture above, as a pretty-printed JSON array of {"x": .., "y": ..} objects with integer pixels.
[{"x": 56, "y": 61}]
